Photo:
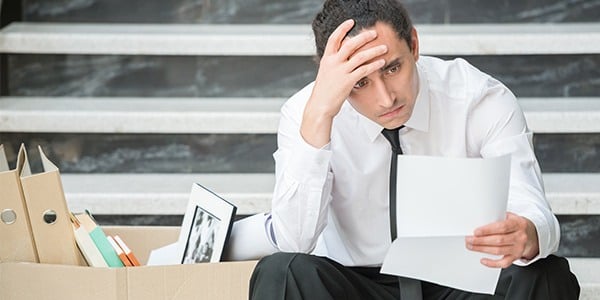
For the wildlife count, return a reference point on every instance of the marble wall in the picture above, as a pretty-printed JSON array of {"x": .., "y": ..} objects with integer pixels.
[
  {"x": 149, "y": 153},
  {"x": 234, "y": 153},
  {"x": 219, "y": 76},
  {"x": 579, "y": 236},
  {"x": 302, "y": 11}
]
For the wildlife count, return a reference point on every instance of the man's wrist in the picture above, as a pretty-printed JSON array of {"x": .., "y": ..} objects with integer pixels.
[
  {"x": 532, "y": 246},
  {"x": 316, "y": 126}
]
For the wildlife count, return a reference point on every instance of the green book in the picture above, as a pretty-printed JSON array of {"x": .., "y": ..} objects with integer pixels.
[{"x": 99, "y": 237}]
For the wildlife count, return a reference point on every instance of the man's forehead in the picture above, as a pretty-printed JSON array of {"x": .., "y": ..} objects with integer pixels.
[{"x": 386, "y": 35}]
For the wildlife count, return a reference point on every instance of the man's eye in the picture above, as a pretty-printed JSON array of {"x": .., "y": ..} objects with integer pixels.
[
  {"x": 360, "y": 84},
  {"x": 393, "y": 70}
]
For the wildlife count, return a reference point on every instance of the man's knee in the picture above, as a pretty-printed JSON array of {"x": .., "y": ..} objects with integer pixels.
[
  {"x": 552, "y": 268},
  {"x": 280, "y": 263},
  {"x": 550, "y": 276},
  {"x": 270, "y": 276}
]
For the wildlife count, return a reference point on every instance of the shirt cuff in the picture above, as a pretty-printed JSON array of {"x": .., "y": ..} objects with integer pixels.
[{"x": 543, "y": 240}]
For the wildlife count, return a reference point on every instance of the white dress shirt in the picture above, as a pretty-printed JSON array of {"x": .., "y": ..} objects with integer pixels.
[{"x": 334, "y": 201}]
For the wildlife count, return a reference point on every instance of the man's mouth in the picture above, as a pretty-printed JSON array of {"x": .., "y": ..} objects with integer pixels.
[{"x": 392, "y": 113}]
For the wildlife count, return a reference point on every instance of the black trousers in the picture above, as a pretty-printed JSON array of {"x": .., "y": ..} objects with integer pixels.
[{"x": 302, "y": 276}]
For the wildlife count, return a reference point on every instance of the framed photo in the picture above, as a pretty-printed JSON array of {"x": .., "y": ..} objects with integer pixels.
[{"x": 206, "y": 227}]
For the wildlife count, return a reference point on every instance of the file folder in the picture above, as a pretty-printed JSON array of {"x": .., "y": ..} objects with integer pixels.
[
  {"x": 16, "y": 238},
  {"x": 49, "y": 215}
]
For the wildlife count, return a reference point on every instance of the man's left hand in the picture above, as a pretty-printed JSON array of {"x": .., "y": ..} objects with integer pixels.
[{"x": 513, "y": 238}]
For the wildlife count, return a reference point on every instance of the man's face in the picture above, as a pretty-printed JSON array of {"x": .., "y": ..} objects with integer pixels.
[{"x": 388, "y": 95}]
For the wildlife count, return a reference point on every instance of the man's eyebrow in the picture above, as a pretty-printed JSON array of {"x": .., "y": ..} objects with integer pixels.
[{"x": 392, "y": 63}]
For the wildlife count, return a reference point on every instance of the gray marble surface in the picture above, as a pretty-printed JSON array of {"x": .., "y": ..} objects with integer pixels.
[
  {"x": 579, "y": 236},
  {"x": 302, "y": 11},
  {"x": 568, "y": 152},
  {"x": 158, "y": 76},
  {"x": 201, "y": 153},
  {"x": 125, "y": 153}
]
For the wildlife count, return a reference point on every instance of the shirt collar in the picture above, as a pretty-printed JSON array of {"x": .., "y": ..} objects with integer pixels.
[{"x": 419, "y": 120}]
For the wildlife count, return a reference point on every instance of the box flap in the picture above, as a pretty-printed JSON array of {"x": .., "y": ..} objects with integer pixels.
[{"x": 3, "y": 160}]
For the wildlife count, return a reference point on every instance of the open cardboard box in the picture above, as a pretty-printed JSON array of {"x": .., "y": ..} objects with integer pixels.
[{"x": 227, "y": 280}]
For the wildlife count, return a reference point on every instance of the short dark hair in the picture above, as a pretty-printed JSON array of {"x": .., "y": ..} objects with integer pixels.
[{"x": 365, "y": 14}]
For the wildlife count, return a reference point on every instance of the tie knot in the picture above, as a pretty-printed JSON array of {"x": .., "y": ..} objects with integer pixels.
[{"x": 392, "y": 136}]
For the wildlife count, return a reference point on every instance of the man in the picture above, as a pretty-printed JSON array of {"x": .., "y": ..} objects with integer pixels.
[{"x": 333, "y": 164}]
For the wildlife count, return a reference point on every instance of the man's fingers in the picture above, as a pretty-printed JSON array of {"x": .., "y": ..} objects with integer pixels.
[
  {"x": 495, "y": 250},
  {"x": 503, "y": 262},
  {"x": 491, "y": 240},
  {"x": 365, "y": 56},
  {"x": 351, "y": 44},
  {"x": 334, "y": 42},
  {"x": 501, "y": 227},
  {"x": 367, "y": 69}
]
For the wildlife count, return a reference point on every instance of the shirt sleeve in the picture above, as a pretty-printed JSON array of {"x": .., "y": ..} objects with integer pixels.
[
  {"x": 303, "y": 182},
  {"x": 500, "y": 126}
]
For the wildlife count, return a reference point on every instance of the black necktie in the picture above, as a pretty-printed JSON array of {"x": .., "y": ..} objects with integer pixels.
[
  {"x": 392, "y": 136},
  {"x": 409, "y": 288}
]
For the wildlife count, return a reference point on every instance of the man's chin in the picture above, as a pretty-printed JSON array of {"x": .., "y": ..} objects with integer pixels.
[{"x": 393, "y": 125}]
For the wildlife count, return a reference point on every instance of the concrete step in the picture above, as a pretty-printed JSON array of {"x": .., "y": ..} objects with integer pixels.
[
  {"x": 587, "y": 271},
  {"x": 140, "y": 115},
  {"x": 167, "y": 194},
  {"x": 286, "y": 40},
  {"x": 163, "y": 194},
  {"x": 228, "y": 115}
]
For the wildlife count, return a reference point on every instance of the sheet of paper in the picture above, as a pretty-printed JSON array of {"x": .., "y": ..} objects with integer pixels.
[
  {"x": 249, "y": 239},
  {"x": 164, "y": 256},
  {"x": 439, "y": 202}
]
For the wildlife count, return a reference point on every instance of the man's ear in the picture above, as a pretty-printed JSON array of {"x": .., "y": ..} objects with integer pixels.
[{"x": 414, "y": 43}]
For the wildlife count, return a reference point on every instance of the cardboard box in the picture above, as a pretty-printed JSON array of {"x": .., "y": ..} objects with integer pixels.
[{"x": 228, "y": 280}]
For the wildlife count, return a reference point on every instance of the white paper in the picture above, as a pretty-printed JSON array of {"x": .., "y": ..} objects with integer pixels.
[
  {"x": 249, "y": 239},
  {"x": 164, "y": 256},
  {"x": 439, "y": 202}
]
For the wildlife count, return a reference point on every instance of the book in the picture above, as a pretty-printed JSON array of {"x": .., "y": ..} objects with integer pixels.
[
  {"x": 87, "y": 247},
  {"x": 100, "y": 240},
  {"x": 132, "y": 258},
  {"x": 119, "y": 251}
]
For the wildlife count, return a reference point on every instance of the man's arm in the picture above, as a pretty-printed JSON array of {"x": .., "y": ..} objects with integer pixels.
[
  {"x": 339, "y": 70},
  {"x": 530, "y": 230},
  {"x": 303, "y": 177}
]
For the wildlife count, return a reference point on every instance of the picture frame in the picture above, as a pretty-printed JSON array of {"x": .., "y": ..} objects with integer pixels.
[{"x": 206, "y": 227}]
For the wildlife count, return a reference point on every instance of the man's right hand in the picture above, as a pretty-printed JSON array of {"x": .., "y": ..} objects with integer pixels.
[{"x": 339, "y": 70}]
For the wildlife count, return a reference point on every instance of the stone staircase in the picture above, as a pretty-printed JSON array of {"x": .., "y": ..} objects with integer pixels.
[{"x": 135, "y": 110}]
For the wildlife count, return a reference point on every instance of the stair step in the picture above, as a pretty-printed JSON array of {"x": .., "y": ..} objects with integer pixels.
[
  {"x": 167, "y": 194},
  {"x": 587, "y": 272},
  {"x": 140, "y": 115},
  {"x": 573, "y": 193},
  {"x": 285, "y": 40},
  {"x": 163, "y": 194},
  {"x": 228, "y": 115}
]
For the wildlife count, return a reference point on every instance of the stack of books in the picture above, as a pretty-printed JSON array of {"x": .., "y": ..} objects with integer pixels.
[{"x": 99, "y": 249}]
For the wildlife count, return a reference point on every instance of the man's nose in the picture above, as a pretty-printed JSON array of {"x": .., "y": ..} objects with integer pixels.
[{"x": 384, "y": 96}]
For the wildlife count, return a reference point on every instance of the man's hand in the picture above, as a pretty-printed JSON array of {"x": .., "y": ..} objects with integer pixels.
[
  {"x": 339, "y": 70},
  {"x": 513, "y": 238}
]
